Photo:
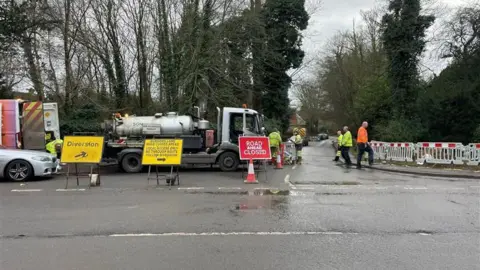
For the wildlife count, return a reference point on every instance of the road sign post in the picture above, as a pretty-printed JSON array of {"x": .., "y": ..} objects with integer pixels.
[
  {"x": 82, "y": 150},
  {"x": 255, "y": 148},
  {"x": 163, "y": 152}
]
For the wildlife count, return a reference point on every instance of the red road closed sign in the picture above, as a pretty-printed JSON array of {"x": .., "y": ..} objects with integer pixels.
[{"x": 254, "y": 148}]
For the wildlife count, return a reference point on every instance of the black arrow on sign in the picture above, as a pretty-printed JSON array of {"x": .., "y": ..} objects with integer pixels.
[
  {"x": 82, "y": 154},
  {"x": 161, "y": 159}
]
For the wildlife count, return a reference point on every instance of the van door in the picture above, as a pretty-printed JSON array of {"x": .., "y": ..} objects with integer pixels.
[
  {"x": 50, "y": 115},
  {"x": 10, "y": 124},
  {"x": 33, "y": 127}
]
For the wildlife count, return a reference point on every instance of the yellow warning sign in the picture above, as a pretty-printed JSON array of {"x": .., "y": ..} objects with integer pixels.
[
  {"x": 82, "y": 149},
  {"x": 162, "y": 152}
]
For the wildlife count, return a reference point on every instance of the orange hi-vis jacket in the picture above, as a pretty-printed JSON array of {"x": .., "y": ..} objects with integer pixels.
[{"x": 362, "y": 135}]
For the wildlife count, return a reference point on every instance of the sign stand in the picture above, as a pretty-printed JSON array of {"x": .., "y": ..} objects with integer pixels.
[
  {"x": 170, "y": 178},
  {"x": 83, "y": 150},
  {"x": 93, "y": 182},
  {"x": 163, "y": 152}
]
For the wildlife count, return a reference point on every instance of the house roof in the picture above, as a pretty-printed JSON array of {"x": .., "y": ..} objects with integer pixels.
[{"x": 297, "y": 120}]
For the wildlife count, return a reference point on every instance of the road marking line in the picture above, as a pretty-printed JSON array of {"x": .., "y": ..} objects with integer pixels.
[
  {"x": 226, "y": 234},
  {"x": 294, "y": 167},
  {"x": 71, "y": 189},
  {"x": 287, "y": 181},
  {"x": 190, "y": 188},
  {"x": 25, "y": 190},
  {"x": 235, "y": 188},
  {"x": 415, "y": 188}
]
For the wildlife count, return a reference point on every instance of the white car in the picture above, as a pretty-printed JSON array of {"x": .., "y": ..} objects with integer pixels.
[{"x": 22, "y": 165}]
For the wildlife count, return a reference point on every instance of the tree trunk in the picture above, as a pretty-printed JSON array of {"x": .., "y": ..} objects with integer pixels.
[{"x": 33, "y": 69}]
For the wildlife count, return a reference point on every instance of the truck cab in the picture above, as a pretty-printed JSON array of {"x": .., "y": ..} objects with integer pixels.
[{"x": 235, "y": 122}]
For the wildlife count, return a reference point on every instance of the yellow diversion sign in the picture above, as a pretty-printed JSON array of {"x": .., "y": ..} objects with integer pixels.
[
  {"x": 162, "y": 152},
  {"x": 82, "y": 149}
]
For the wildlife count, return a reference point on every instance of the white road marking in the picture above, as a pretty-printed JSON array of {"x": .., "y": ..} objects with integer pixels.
[
  {"x": 234, "y": 188},
  {"x": 294, "y": 167},
  {"x": 416, "y": 188},
  {"x": 190, "y": 188},
  {"x": 25, "y": 190},
  {"x": 227, "y": 234},
  {"x": 71, "y": 189},
  {"x": 287, "y": 181}
]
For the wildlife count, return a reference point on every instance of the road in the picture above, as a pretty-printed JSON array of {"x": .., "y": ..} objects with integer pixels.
[{"x": 334, "y": 218}]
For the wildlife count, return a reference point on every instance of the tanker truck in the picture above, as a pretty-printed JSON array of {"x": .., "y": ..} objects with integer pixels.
[{"x": 202, "y": 144}]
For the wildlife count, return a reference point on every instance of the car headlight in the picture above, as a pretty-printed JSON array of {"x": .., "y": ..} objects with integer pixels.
[{"x": 43, "y": 158}]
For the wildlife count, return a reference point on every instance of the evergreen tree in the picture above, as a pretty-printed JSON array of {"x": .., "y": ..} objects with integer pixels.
[
  {"x": 403, "y": 37},
  {"x": 283, "y": 20}
]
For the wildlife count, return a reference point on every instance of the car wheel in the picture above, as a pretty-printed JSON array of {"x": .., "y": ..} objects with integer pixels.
[
  {"x": 18, "y": 170},
  {"x": 228, "y": 161},
  {"x": 132, "y": 163}
]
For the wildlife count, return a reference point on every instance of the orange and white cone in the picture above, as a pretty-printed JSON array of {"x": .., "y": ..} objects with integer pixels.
[
  {"x": 279, "y": 162},
  {"x": 251, "y": 174}
]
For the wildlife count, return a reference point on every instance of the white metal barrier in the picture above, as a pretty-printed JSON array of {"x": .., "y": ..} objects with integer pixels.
[
  {"x": 429, "y": 152},
  {"x": 440, "y": 153},
  {"x": 472, "y": 154},
  {"x": 400, "y": 151},
  {"x": 290, "y": 153},
  {"x": 379, "y": 150}
]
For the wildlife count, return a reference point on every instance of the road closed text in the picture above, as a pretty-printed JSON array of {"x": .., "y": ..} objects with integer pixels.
[{"x": 256, "y": 148}]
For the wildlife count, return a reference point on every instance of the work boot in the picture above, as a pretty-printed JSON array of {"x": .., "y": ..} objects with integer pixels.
[{"x": 336, "y": 159}]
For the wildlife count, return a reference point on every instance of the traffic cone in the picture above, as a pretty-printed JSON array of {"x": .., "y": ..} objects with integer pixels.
[
  {"x": 279, "y": 162},
  {"x": 251, "y": 174}
]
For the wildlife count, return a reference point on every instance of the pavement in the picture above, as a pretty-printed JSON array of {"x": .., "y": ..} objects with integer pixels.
[{"x": 332, "y": 218}]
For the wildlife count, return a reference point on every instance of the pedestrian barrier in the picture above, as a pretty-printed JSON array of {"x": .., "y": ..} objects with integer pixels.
[
  {"x": 290, "y": 153},
  {"x": 472, "y": 154},
  {"x": 429, "y": 152},
  {"x": 440, "y": 153},
  {"x": 379, "y": 150},
  {"x": 400, "y": 151}
]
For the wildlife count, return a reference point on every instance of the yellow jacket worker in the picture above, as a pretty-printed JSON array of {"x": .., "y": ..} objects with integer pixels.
[
  {"x": 54, "y": 147},
  {"x": 298, "y": 144},
  {"x": 275, "y": 141},
  {"x": 339, "y": 146}
]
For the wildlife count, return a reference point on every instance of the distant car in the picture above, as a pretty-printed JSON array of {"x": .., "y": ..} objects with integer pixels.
[
  {"x": 22, "y": 165},
  {"x": 323, "y": 136}
]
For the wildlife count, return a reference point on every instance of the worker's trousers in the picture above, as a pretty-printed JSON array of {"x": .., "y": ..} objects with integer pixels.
[
  {"x": 362, "y": 148},
  {"x": 346, "y": 155}
]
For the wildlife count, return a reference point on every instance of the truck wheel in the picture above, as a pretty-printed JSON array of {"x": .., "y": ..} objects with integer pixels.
[
  {"x": 132, "y": 163},
  {"x": 228, "y": 161}
]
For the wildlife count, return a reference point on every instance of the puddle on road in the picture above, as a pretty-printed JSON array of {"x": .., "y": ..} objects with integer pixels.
[{"x": 276, "y": 203}]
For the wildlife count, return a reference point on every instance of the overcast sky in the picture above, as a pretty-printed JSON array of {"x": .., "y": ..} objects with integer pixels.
[{"x": 330, "y": 16}]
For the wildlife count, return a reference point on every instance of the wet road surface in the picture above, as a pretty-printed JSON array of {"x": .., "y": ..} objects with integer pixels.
[{"x": 334, "y": 218}]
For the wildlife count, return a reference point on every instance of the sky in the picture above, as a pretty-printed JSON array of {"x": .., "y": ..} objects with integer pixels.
[{"x": 328, "y": 17}]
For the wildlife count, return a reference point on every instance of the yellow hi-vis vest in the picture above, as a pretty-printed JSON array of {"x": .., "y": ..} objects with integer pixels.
[{"x": 51, "y": 146}]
